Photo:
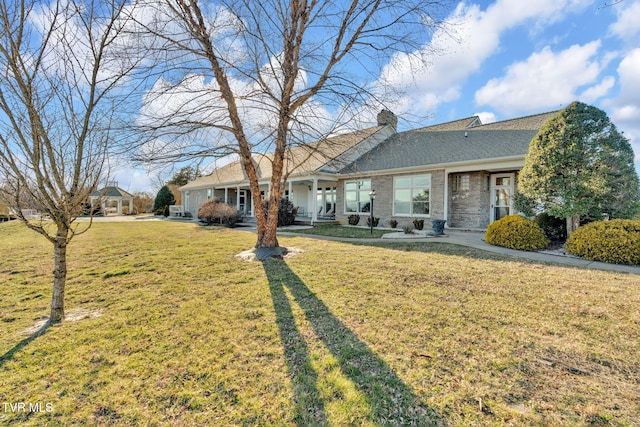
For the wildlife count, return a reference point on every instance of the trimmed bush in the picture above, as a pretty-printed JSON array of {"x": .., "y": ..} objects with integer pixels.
[
  {"x": 418, "y": 224},
  {"x": 393, "y": 223},
  {"x": 616, "y": 241},
  {"x": 554, "y": 228},
  {"x": 376, "y": 221},
  {"x": 353, "y": 219},
  {"x": 286, "y": 212},
  {"x": 215, "y": 211},
  {"x": 516, "y": 232}
]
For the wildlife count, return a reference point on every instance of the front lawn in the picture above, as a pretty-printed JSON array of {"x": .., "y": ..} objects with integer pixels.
[
  {"x": 343, "y": 231},
  {"x": 184, "y": 333}
]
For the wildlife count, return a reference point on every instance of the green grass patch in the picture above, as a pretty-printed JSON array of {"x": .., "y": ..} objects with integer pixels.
[
  {"x": 342, "y": 334},
  {"x": 344, "y": 231}
]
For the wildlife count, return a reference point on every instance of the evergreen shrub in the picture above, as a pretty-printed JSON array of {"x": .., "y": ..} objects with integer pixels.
[
  {"x": 516, "y": 232},
  {"x": 554, "y": 228},
  {"x": 616, "y": 241},
  {"x": 353, "y": 219},
  {"x": 286, "y": 212},
  {"x": 376, "y": 221},
  {"x": 163, "y": 198}
]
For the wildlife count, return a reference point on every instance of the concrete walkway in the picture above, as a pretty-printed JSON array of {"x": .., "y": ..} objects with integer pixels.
[
  {"x": 120, "y": 218},
  {"x": 475, "y": 239}
]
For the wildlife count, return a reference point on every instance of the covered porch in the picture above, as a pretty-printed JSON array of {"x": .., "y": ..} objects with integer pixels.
[{"x": 314, "y": 198}]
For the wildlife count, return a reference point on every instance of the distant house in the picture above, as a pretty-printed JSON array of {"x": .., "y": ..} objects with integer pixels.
[
  {"x": 112, "y": 199},
  {"x": 462, "y": 171}
]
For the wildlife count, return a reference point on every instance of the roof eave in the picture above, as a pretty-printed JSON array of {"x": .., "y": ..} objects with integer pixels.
[{"x": 489, "y": 164}]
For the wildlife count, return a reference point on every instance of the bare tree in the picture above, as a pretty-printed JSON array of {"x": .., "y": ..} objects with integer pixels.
[
  {"x": 258, "y": 76},
  {"x": 56, "y": 110},
  {"x": 142, "y": 202}
]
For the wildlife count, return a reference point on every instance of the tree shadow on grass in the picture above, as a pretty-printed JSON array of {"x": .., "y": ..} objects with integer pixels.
[
  {"x": 442, "y": 248},
  {"x": 22, "y": 344},
  {"x": 389, "y": 399}
]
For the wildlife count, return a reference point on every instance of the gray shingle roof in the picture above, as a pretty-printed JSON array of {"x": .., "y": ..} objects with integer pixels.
[
  {"x": 301, "y": 159},
  {"x": 111, "y": 191},
  {"x": 440, "y": 145},
  {"x": 459, "y": 124}
]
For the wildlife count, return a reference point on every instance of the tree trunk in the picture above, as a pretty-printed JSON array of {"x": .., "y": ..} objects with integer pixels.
[
  {"x": 261, "y": 221},
  {"x": 573, "y": 222},
  {"x": 59, "y": 276},
  {"x": 267, "y": 237}
]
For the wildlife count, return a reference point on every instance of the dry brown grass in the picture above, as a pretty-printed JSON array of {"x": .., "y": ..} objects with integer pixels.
[{"x": 341, "y": 334}]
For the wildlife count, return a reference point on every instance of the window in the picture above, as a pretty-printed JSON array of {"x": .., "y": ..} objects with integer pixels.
[
  {"x": 460, "y": 183},
  {"x": 326, "y": 199},
  {"x": 356, "y": 196},
  {"x": 412, "y": 195}
]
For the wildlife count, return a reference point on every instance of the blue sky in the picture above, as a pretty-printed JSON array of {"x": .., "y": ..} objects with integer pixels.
[{"x": 513, "y": 58}]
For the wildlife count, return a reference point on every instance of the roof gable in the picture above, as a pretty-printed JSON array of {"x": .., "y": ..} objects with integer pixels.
[
  {"x": 111, "y": 191},
  {"x": 459, "y": 124}
]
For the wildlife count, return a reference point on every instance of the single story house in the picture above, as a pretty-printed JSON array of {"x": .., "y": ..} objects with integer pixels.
[
  {"x": 463, "y": 171},
  {"x": 313, "y": 173}
]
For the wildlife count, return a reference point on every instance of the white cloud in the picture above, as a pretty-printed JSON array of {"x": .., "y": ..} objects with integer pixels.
[
  {"x": 546, "y": 80},
  {"x": 629, "y": 73},
  {"x": 626, "y": 27},
  {"x": 473, "y": 37},
  {"x": 486, "y": 117},
  {"x": 625, "y": 109},
  {"x": 596, "y": 92},
  {"x": 133, "y": 180}
]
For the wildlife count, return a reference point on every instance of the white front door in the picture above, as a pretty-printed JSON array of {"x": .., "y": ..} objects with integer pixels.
[{"x": 502, "y": 188}]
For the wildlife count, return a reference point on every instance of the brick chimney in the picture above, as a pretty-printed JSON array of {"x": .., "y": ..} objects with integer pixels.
[{"x": 386, "y": 117}]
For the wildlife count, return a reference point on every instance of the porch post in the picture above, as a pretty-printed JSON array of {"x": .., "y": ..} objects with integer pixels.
[
  {"x": 290, "y": 191},
  {"x": 238, "y": 198},
  {"x": 314, "y": 201},
  {"x": 226, "y": 195}
]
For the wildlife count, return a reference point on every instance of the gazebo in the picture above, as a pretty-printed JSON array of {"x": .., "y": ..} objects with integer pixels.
[{"x": 112, "y": 199}]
